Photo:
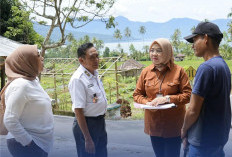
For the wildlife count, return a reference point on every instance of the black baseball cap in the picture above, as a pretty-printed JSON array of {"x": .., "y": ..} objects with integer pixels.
[{"x": 203, "y": 28}]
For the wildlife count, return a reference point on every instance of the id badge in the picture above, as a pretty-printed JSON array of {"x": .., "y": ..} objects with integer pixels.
[
  {"x": 95, "y": 98},
  {"x": 159, "y": 95}
]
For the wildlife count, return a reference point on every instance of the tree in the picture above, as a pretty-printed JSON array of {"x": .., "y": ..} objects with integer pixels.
[
  {"x": 186, "y": 49},
  {"x": 5, "y": 14},
  {"x": 133, "y": 52},
  {"x": 99, "y": 44},
  {"x": 225, "y": 47},
  {"x": 230, "y": 14},
  {"x": 230, "y": 28},
  {"x": 146, "y": 52},
  {"x": 175, "y": 39},
  {"x": 142, "y": 31},
  {"x": 106, "y": 53},
  {"x": 70, "y": 51},
  {"x": 205, "y": 20},
  {"x": 193, "y": 29},
  {"x": 127, "y": 33},
  {"x": 16, "y": 23},
  {"x": 230, "y": 24},
  {"x": 117, "y": 34},
  {"x": 114, "y": 53},
  {"x": 20, "y": 28},
  {"x": 60, "y": 13}
]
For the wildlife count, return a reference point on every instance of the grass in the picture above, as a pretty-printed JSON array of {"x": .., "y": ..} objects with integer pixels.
[{"x": 126, "y": 84}]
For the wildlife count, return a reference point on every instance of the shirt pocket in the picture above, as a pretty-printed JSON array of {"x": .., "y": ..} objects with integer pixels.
[
  {"x": 149, "y": 84},
  {"x": 151, "y": 88},
  {"x": 91, "y": 92},
  {"x": 173, "y": 87}
]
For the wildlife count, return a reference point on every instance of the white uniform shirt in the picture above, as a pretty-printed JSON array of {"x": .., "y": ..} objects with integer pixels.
[
  {"x": 28, "y": 115},
  {"x": 82, "y": 87}
]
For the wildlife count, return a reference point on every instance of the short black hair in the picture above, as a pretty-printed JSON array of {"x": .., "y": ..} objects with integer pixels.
[
  {"x": 216, "y": 41},
  {"x": 81, "y": 51}
]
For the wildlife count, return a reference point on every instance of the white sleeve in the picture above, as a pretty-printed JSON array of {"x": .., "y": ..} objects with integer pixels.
[
  {"x": 15, "y": 100},
  {"x": 78, "y": 93}
]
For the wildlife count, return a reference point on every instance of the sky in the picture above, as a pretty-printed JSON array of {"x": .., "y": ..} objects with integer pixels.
[{"x": 164, "y": 10}]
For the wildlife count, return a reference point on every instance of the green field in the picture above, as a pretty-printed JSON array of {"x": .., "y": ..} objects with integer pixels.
[
  {"x": 126, "y": 84},
  {"x": 194, "y": 63}
]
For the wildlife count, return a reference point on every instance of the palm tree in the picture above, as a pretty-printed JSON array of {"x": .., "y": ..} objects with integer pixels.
[
  {"x": 205, "y": 20},
  {"x": 127, "y": 33},
  {"x": 230, "y": 14},
  {"x": 230, "y": 23},
  {"x": 99, "y": 44},
  {"x": 70, "y": 37},
  {"x": 193, "y": 29},
  {"x": 118, "y": 35},
  {"x": 142, "y": 30}
]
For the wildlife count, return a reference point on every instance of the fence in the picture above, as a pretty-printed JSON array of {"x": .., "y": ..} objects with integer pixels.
[{"x": 57, "y": 73}]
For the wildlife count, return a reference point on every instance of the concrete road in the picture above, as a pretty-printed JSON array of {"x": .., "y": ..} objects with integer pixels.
[{"x": 125, "y": 139}]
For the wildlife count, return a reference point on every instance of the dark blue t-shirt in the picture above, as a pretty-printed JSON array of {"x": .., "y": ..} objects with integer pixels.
[{"x": 213, "y": 82}]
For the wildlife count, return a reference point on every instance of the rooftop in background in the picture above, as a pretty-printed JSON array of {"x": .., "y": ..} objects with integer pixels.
[
  {"x": 7, "y": 46},
  {"x": 130, "y": 64}
]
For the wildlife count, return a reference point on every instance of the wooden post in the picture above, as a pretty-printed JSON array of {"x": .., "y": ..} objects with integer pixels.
[
  {"x": 110, "y": 92},
  {"x": 55, "y": 94},
  {"x": 2, "y": 77},
  {"x": 116, "y": 77},
  {"x": 63, "y": 79},
  {"x": 64, "y": 100},
  {"x": 2, "y": 68},
  {"x": 136, "y": 76}
]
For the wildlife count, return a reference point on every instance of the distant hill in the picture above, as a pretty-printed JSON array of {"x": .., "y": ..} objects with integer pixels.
[{"x": 154, "y": 30}]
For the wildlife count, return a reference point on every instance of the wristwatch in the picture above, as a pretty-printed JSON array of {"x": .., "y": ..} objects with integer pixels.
[{"x": 167, "y": 98}]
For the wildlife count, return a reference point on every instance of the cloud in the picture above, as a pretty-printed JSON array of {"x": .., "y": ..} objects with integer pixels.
[{"x": 164, "y": 10}]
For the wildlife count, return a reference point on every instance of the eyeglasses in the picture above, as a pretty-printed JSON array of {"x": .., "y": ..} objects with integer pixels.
[
  {"x": 158, "y": 51},
  {"x": 39, "y": 53}
]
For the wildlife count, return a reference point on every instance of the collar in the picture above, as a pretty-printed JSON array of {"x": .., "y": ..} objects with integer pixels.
[
  {"x": 87, "y": 73},
  {"x": 169, "y": 65}
]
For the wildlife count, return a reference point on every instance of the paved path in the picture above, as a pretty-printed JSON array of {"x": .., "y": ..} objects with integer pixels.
[{"x": 125, "y": 139}]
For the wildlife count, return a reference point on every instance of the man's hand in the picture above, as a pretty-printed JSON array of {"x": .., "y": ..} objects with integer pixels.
[
  {"x": 184, "y": 138},
  {"x": 89, "y": 146},
  {"x": 183, "y": 133},
  {"x": 185, "y": 143},
  {"x": 157, "y": 101}
]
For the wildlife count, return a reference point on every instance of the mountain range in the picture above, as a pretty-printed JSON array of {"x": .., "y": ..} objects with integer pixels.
[{"x": 154, "y": 30}]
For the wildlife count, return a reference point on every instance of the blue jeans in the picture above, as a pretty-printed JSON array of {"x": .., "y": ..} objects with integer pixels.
[
  {"x": 166, "y": 147},
  {"x": 18, "y": 150},
  {"x": 98, "y": 133},
  {"x": 197, "y": 151}
]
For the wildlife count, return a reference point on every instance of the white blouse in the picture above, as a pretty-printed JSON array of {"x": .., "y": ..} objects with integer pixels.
[{"x": 28, "y": 115}]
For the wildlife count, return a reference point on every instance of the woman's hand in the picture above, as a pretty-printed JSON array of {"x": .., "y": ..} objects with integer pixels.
[{"x": 157, "y": 101}]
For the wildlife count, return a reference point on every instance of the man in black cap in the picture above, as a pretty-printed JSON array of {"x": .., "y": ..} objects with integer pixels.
[{"x": 208, "y": 118}]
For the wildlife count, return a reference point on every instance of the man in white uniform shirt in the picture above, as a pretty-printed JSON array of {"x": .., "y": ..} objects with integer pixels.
[{"x": 89, "y": 105}]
